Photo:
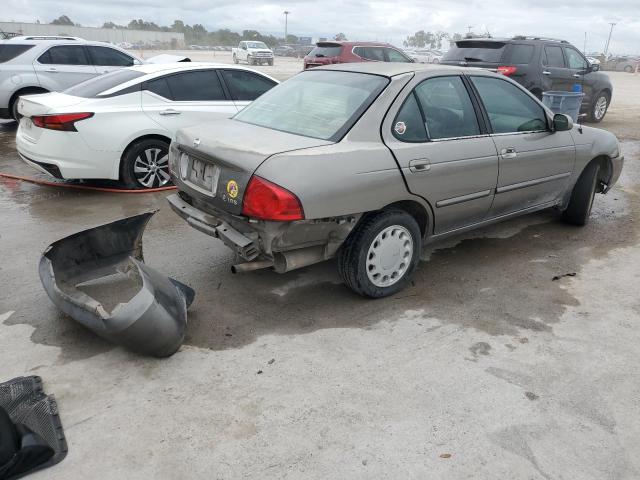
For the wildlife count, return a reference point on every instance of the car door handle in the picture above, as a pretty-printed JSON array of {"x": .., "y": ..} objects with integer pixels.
[
  {"x": 419, "y": 165},
  {"x": 509, "y": 152},
  {"x": 546, "y": 72},
  {"x": 52, "y": 70},
  {"x": 170, "y": 111},
  {"x": 576, "y": 75}
]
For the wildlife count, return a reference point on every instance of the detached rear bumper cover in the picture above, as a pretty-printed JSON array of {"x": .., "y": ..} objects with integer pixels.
[{"x": 98, "y": 277}]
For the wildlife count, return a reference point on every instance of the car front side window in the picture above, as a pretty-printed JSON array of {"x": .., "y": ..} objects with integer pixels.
[
  {"x": 575, "y": 60},
  {"x": 510, "y": 109},
  {"x": 553, "y": 57},
  {"x": 108, "y": 57},
  {"x": 395, "y": 56}
]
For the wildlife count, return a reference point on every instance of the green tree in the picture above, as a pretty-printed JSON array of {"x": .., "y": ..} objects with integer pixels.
[
  {"x": 62, "y": 20},
  {"x": 340, "y": 37}
]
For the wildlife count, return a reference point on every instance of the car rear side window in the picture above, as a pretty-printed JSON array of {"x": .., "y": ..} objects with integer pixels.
[
  {"x": 159, "y": 86},
  {"x": 110, "y": 57},
  {"x": 553, "y": 56},
  {"x": 203, "y": 85},
  {"x": 9, "y": 52},
  {"x": 447, "y": 108},
  {"x": 246, "y": 85},
  {"x": 370, "y": 53},
  {"x": 520, "y": 54},
  {"x": 65, "y": 55},
  {"x": 409, "y": 124},
  {"x": 95, "y": 86},
  {"x": 510, "y": 109}
]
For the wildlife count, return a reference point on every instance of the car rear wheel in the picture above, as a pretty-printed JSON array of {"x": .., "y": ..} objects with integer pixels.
[
  {"x": 584, "y": 191},
  {"x": 628, "y": 68},
  {"x": 599, "y": 107},
  {"x": 146, "y": 165},
  {"x": 380, "y": 255},
  {"x": 271, "y": 63}
]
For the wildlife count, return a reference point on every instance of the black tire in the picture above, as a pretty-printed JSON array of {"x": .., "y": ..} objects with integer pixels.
[
  {"x": 596, "y": 115},
  {"x": 355, "y": 253},
  {"x": 584, "y": 191},
  {"x": 235, "y": 59},
  {"x": 271, "y": 63},
  {"x": 145, "y": 155},
  {"x": 13, "y": 107},
  {"x": 628, "y": 68}
]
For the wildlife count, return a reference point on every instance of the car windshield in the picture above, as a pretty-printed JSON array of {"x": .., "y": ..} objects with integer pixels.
[
  {"x": 256, "y": 45},
  {"x": 320, "y": 104},
  {"x": 95, "y": 86},
  {"x": 475, "y": 51}
]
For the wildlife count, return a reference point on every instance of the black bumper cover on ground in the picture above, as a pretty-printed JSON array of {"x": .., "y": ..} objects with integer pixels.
[{"x": 98, "y": 277}]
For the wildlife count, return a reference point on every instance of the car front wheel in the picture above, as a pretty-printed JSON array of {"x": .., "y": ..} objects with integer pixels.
[
  {"x": 146, "y": 165},
  {"x": 599, "y": 107},
  {"x": 584, "y": 191},
  {"x": 380, "y": 255}
]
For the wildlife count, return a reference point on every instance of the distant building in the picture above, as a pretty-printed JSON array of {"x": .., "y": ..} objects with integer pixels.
[{"x": 135, "y": 37}]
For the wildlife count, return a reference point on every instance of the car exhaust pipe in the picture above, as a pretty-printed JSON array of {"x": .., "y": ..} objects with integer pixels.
[
  {"x": 250, "y": 266},
  {"x": 303, "y": 257}
]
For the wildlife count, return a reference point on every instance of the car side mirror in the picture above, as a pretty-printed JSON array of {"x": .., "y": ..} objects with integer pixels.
[
  {"x": 562, "y": 122},
  {"x": 594, "y": 67}
]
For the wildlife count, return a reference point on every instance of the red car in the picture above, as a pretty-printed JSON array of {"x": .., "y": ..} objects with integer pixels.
[{"x": 326, "y": 53}]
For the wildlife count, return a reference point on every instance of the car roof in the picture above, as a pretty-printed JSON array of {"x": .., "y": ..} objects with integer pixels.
[
  {"x": 149, "y": 68},
  {"x": 390, "y": 69}
]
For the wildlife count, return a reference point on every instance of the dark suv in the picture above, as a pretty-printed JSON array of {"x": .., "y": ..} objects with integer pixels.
[{"x": 539, "y": 64}]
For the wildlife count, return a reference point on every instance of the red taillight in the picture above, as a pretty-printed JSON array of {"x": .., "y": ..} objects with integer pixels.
[
  {"x": 268, "y": 201},
  {"x": 507, "y": 70},
  {"x": 60, "y": 121}
]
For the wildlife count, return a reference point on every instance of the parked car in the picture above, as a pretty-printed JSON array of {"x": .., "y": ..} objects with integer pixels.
[
  {"x": 368, "y": 161},
  {"x": 621, "y": 64},
  {"x": 423, "y": 55},
  {"x": 540, "y": 65},
  {"x": 34, "y": 65},
  {"x": 118, "y": 126},
  {"x": 327, "y": 53},
  {"x": 284, "y": 51},
  {"x": 254, "y": 53}
]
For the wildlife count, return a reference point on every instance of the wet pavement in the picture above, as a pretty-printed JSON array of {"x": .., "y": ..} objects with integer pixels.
[{"x": 485, "y": 357}]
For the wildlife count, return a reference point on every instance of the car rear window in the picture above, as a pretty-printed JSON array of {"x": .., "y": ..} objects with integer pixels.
[
  {"x": 326, "y": 50},
  {"x": 9, "y": 52},
  {"x": 320, "y": 104},
  {"x": 94, "y": 87},
  {"x": 475, "y": 51}
]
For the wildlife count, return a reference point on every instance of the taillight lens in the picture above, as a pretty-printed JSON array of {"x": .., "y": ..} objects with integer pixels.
[
  {"x": 268, "y": 201},
  {"x": 60, "y": 121},
  {"x": 507, "y": 70}
]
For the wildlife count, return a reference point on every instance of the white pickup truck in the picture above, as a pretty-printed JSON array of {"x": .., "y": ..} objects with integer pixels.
[{"x": 254, "y": 53}]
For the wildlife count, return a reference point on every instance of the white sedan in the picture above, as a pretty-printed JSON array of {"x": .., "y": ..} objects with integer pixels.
[{"x": 118, "y": 126}]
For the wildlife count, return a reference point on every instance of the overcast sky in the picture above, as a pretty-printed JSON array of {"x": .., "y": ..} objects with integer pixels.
[{"x": 365, "y": 20}]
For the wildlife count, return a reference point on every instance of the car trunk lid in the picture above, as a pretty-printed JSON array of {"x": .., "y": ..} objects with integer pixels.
[
  {"x": 324, "y": 53},
  {"x": 216, "y": 160},
  {"x": 42, "y": 104}
]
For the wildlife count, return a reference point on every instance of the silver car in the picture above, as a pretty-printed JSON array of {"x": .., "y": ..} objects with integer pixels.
[
  {"x": 33, "y": 64},
  {"x": 369, "y": 161}
]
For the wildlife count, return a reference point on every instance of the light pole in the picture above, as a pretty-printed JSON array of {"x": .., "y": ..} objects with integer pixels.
[
  {"x": 286, "y": 16},
  {"x": 606, "y": 47}
]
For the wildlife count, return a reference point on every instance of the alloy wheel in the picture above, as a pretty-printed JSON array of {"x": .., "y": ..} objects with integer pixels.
[
  {"x": 600, "y": 108},
  {"x": 389, "y": 256},
  {"x": 151, "y": 168}
]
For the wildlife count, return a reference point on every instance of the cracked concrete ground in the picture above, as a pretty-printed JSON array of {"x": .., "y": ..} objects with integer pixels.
[{"x": 484, "y": 368}]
